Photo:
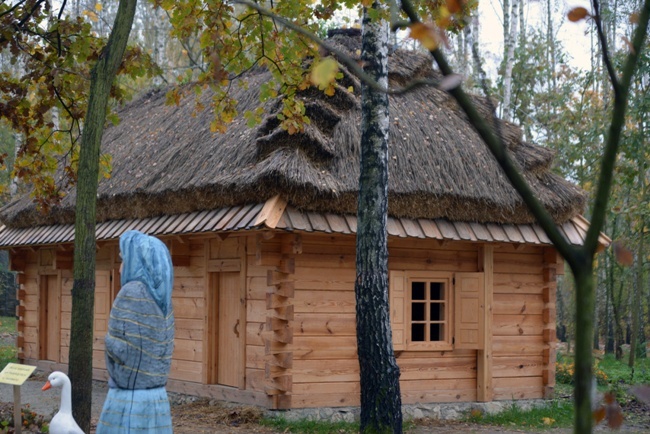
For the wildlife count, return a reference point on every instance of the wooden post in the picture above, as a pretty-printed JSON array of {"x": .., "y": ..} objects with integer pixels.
[
  {"x": 18, "y": 421},
  {"x": 548, "y": 315},
  {"x": 484, "y": 355}
]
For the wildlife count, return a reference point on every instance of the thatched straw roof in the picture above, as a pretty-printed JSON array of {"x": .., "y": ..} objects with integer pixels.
[{"x": 166, "y": 160}]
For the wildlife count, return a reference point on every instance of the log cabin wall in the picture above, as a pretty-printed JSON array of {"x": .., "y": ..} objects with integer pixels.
[{"x": 291, "y": 342}]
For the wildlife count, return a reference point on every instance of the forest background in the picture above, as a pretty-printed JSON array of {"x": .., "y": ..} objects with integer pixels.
[{"x": 533, "y": 83}]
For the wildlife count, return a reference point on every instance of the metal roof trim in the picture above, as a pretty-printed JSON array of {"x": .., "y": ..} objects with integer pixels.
[{"x": 239, "y": 217}]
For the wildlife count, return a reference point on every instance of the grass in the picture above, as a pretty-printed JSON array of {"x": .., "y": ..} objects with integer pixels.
[
  {"x": 557, "y": 414},
  {"x": 7, "y": 352},
  {"x": 318, "y": 427},
  {"x": 310, "y": 426},
  {"x": 7, "y": 324}
]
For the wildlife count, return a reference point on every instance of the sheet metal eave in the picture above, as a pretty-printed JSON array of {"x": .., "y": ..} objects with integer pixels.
[{"x": 245, "y": 217}]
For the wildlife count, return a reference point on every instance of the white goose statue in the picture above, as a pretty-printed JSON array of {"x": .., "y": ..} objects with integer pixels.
[{"x": 62, "y": 422}]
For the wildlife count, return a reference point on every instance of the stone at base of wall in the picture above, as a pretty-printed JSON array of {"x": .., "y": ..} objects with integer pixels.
[{"x": 442, "y": 411}]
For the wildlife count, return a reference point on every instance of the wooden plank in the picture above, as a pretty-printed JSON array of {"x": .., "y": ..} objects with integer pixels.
[
  {"x": 517, "y": 366},
  {"x": 517, "y": 346},
  {"x": 430, "y": 229},
  {"x": 338, "y": 223},
  {"x": 220, "y": 393},
  {"x": 324, "y": 301},
  {"x": 517, "y": 325},
  {"x": 325, "y": 324},
  {"x": 507, "y": 283},
  {"x": 469, "y": 305},
  {"x": 439, "y": 395},
  {"x": 411, "y": 228},
  {"x": 325, "y": 400},
  {"x": 517, "y": 304},
  {"x": 394, "y": 227},
  {"x": 484, "y": 354}
]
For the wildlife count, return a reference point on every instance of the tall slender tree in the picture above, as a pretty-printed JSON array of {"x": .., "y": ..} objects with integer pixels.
[
  {"x": 380, "y": 392},
  {"x": 83, "y": 289}
]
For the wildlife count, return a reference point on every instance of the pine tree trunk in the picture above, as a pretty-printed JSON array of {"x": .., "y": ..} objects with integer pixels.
[
  {"x": 83, "y": 296},
  {"x": 381, "y": 409}
]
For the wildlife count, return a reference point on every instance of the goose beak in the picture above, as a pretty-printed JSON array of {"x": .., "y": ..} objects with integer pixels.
[{"x": 47, "y": 385}]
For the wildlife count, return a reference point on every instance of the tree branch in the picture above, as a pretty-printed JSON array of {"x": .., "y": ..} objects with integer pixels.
[
  {"x": 615, "y": 129},
  {"x": 603, "y": 43},
  {"x": 499, "y": 152},
  {"x": 351, "y": 63}
]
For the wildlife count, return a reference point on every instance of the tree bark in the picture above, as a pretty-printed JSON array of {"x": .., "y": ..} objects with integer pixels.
[
  {"x": 583, "y": 356},
  {"x": 83, "y": 296},
  {"x": 509, "y": 60},
  {"x": 381, "y": 409}
]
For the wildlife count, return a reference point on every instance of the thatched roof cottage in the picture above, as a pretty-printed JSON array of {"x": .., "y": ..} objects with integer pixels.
[{"x": 261, "y": 225}]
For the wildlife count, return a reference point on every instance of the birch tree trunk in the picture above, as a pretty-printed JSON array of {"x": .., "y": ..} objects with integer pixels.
[
  {"x": 509, "y": 60},
  {"x": 83, "y": 295},
  {"x": 381, "y": 409}
]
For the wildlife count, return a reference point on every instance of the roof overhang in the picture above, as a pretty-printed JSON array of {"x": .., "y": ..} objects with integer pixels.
[{"x": 277, "y": 214}]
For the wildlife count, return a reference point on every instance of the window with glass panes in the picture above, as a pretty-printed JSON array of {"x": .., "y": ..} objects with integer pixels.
[{"x": 429, "y": 310}]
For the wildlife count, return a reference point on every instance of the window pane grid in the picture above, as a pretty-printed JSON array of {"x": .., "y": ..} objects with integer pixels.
[{"x": 428, "y": 311}]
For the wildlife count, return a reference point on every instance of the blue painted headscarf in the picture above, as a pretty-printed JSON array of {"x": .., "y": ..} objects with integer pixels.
[{"x": 147, "y": 260}]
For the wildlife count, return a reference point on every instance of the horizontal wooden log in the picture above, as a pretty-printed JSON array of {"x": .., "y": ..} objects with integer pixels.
[
  {"x": 519, "y": 366},
  {"x": 549, "y": 292},
  {"x": 548, "y": 315},
  {"x": 549, "y": 335},
  {"x": 180, "y": 253},
  {"x": 283, "y": 335},
  {"x": 283, "y": 312},
  {"x": 278, "y": 385},
  {"x": 20, "y": 341},
  {"x": 517, "y": 325},
  {"x": 332, "y": 302},
  {"x": 517, "y": 304},
  {"x": 275, "y": 277},
  {"x": 285, "y": 289},
  {"x": 22, "y": 294},
  {"x": 287, "y": 265},
  {"x": 21, "y": 278},
  {"x": 20, "y": 310},
  {"x": 274, "y": 301},
  {"x": 281, "y": 360},
  {"x": 318, "y": 324}
]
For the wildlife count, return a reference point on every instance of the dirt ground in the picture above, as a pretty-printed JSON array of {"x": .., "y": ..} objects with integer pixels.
[{"x": 203, "y": 416}]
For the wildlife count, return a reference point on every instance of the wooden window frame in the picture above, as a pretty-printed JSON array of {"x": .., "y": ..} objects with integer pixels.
[{"x": 463, "y": 314}]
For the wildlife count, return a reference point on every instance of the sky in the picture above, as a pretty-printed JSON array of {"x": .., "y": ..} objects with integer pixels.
[{"x": 573, "y": 35}]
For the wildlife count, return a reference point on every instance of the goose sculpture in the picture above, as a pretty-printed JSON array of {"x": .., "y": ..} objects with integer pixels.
[{"x": 62, "y": 422}]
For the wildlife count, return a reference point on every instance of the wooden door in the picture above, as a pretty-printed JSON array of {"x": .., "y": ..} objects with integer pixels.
[
  {"x": 225, "y": 337},
  {"x": 103, "y": 302},
  {"x": 50, "y": 318},
  {"x": 229, "y": 330}
]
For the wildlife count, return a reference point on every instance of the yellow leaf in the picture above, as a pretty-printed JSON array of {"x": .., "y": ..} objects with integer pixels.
[
  {"x": 426, "y": 34},
  {"x": 330, "y": 91},
  {"x": 92, "y": 16},
  {"x": 324, "y": 72},
  {"x": 548, "y": 421},
  {"x": 577, "y": 14},
  {"x": 98, "y": 7},
  {"x": 350, "y": 89}
]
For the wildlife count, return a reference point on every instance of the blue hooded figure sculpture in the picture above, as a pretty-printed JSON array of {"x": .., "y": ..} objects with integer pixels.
[{"x": 140, "y": 340}]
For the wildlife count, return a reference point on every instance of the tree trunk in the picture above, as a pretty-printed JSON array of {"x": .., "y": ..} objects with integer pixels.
[
  {"x": 381, "y": 409},
  {"x": 83, "y": 296},
  {"x": 583, "y": 356},
  {"x": 509, "y": 61}
]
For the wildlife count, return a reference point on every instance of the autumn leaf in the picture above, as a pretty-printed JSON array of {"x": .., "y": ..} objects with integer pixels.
[
  {"x": 598, "y": 415},
  {"x": 426, "y": 34},
  {"x": 613, "y": 411},
  {"x": 577, "y": 14},
  {"x": 454, "y": 6},
  {"x": 548, "y": 421},
  {"x": 324, "y": 72},
  {"x": 622, "y": 254},
  {"x": 629, "y": 44}
]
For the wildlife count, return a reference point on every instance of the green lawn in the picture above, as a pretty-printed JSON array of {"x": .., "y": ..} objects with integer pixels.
[{"x": 7, "y": 352}]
